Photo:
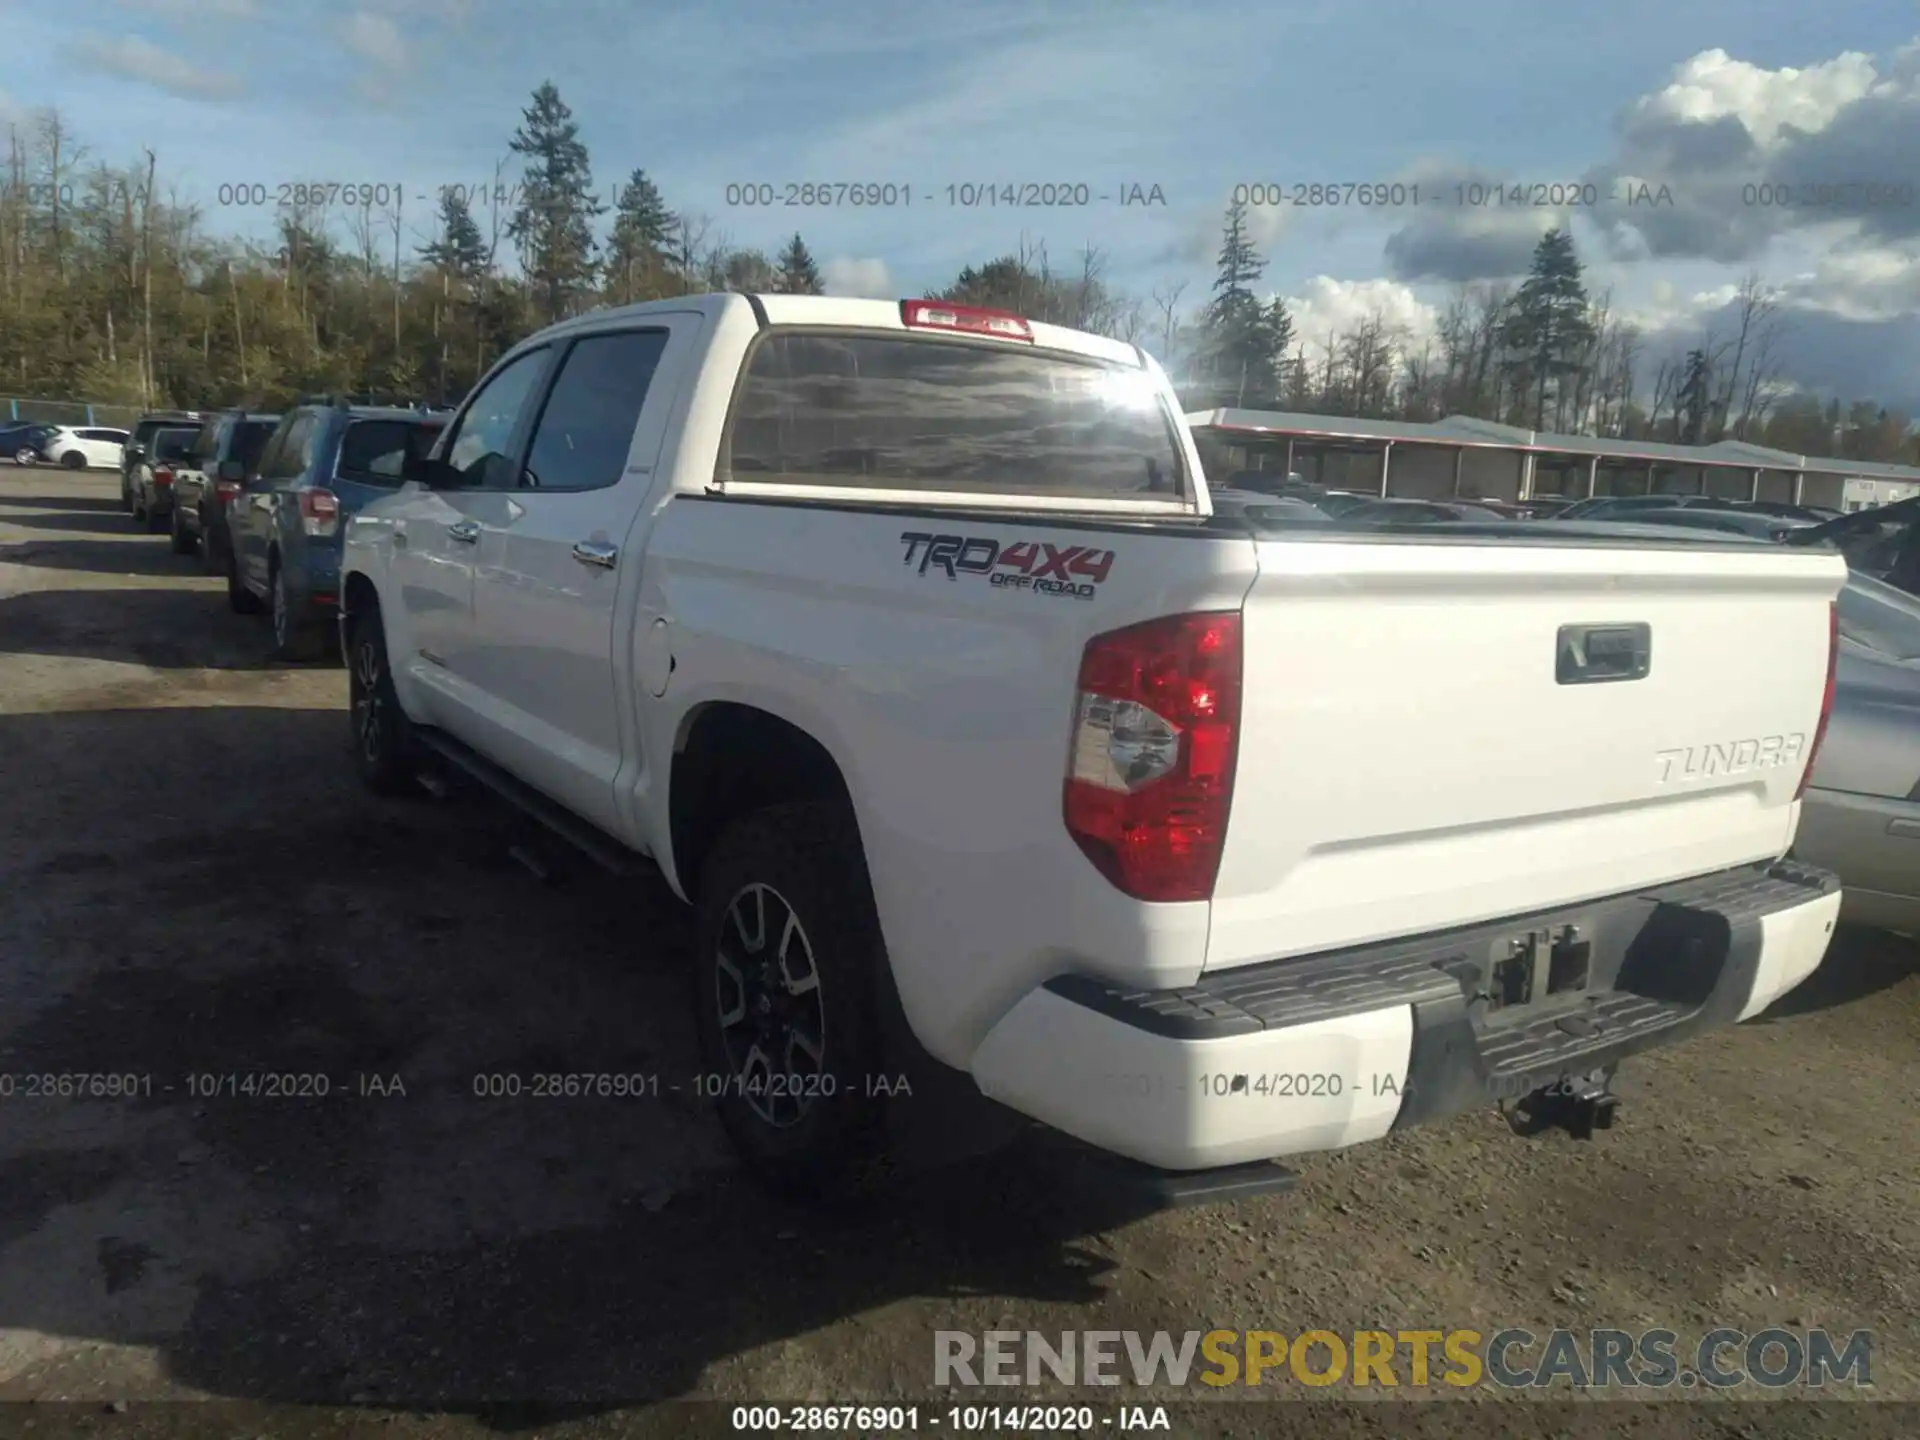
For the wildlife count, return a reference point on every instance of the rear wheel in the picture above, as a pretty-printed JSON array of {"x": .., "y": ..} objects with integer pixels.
[
  {"x": 294, "y": 636},
  {"x": 26, "y": 455},
  {"x": 240, "y": 599},
  {"x": 137, "y": 506},
  {"x": 383, "y": 752},
  {"x": 182, "y": 538},
  {"x": 212, "y": 554},
  {"x": 786, "y": 997},
  {"x": 74, "y": 460},
  {"x": 153, "y": 516},
  {"x": 126, "y": 492}
]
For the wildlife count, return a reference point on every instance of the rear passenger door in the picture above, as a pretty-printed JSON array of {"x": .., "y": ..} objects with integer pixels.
[
  {"x": 556, "y": 582},
  {"x": 254, "y": 516}
]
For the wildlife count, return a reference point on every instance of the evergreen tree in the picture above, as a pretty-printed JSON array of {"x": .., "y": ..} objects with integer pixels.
[
  {"x": 553, "y": 223},
  {"x": 1548, "y": 331},
  {"x": 457, "y": 249},
  {"x": 798, "y": 274},
  {"x": 1243, "y": 343},
  {"x": 640, "y": 249},
  {"x": 1694, "y": 402}
]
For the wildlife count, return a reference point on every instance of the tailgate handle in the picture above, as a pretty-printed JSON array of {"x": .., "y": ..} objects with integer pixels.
[{"x": 1590, "y": 654}]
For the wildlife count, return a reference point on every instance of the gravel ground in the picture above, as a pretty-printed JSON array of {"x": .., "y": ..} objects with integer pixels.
[{"x": 191, "y": 884}]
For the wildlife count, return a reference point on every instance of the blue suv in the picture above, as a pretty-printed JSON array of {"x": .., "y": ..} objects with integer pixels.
[{"x": 286, "y": 523}]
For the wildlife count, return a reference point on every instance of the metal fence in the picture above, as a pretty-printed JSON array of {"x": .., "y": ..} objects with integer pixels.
[{"x": 68, "y": 412}]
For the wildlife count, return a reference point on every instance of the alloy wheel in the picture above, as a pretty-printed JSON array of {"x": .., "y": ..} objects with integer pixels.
[
  {"x": 369, "y": 713},
  {"x": 772, "y": 1015}
]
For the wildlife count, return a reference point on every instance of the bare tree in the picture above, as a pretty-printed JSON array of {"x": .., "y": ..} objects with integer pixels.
[
  {"x": 1666, "y": 387},
  {"x": 1166, "y": 305},
  {"x": 1755, "y": 304}
]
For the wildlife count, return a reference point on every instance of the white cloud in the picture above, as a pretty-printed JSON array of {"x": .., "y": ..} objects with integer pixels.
[
  {"x": 453, "y": 12},
  {"x": 1714, "y": 86},
  {"x": 1327, "y": 306},
  {"x": 138, "y": 59},
  {"x": 857, "y": 278},
  {"x": 197, "y": 9},
  {"x": 1864, "y": 283},
  {"x": 376, "y": 39}
]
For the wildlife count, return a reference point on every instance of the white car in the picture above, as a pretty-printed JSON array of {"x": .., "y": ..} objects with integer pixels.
[
  {"x": 906, "y": 642},
  {"x": 85, "y": 447}
]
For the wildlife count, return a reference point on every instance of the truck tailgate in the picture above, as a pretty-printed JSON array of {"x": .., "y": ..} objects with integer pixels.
[{"x": 1417, "y": 752}]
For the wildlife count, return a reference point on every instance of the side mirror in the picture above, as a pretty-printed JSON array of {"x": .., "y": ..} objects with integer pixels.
[
  {"x": 231, "y": 470},
  {"x": 135, "y": 452}
]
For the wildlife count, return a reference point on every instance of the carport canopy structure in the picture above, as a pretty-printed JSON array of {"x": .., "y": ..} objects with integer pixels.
[{"x": 1465, "y": 456}]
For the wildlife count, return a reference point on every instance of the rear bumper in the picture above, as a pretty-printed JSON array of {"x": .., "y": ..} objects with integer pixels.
[{"x": 1320, "y": 1052}]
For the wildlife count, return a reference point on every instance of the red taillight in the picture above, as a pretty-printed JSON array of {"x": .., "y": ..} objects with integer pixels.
[
  {"x": 319, "y": 510},
  {"x": 1826, "y": 700},
  {"x": 1150, "y": 773},
  {"x": 162, "y": 476},
  {"x": 965, "y": 319},
  {"x": 226, "y": 490}
]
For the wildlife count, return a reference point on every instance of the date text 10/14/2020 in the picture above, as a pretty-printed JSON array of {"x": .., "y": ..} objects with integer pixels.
[
  {"x": 1243, "y": 1086},
  {"x": 955, "y": 1419}
]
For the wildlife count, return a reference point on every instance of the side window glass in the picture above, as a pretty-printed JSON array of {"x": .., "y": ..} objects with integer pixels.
[
  {"x": 587, "y": 424},
  {"x": 478, "y": 450},
  {"x": 290, "y": 456}
]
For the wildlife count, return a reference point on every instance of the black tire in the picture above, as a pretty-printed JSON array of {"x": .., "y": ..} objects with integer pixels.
[
  {"x": 213, "y": 557},
  {"x": 137, "y": 506},
  {"x": 805, "y": 861},
  {"x": 74, "y": 460},
  {"x": 126, "y": 492},
  {"x": 179, "y": 536},
  {"x": 240, "y": 599},
  {"x": 26, "y": 455},
  {"x": 384, "y": 754},
  {"x": 154, "y": 518},
  {"x": 294, "y": 637}
]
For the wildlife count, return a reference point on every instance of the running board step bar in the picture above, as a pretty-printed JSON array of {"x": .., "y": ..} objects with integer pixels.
[{"x": 589, "y": 840}]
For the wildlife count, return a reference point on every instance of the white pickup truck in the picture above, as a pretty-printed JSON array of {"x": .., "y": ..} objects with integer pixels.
[{"x": 907, "y": 641}]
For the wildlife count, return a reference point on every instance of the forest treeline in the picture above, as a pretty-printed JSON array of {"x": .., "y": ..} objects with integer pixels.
[{"x": 115, "y": 290}]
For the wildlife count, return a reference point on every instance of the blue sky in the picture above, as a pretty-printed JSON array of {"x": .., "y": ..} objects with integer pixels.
[{"x": 1193, "y": 97}]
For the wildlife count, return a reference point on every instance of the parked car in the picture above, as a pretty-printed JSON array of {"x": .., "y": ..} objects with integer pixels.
[
  {"x": 1862, "y": 811},
  {"x": 1421, "y": 512},
  {"x": 1335, "y": 503},
  {"x": 25, "y": 441},
  {"x": 149, "y": 480},
  {"x": 1266, "y": 507},
  {"x": 285, "y": 524},
  {"x": 140, "y": 442},
  {"x": 1614, "y": 507},
  {"x": 1015, "y": 758},
  {"x": 1755, "y": 523},
  {"x": 224, "y": 453},
  {"x": 85, "y": 447},
  {"x": 1545, "y": 507},
  {"x": 1882, "y": 543}
]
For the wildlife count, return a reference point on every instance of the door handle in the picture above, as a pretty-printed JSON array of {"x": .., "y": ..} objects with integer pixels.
[
  {"x": 465, "y": 531},
  {"x": 596, "y": 552}
]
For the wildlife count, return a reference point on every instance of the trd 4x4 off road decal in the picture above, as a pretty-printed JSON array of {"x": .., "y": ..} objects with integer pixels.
[{"x": 1071, "y": 570}]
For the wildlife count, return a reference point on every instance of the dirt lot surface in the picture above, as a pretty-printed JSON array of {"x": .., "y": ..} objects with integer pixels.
[{"x": 192, "y": 885}]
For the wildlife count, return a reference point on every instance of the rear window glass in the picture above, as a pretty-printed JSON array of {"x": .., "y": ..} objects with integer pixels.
[
  {"x": 174, "y": 444},
  {"x": 880, "y": 412},
  {"x": 250, "y": 439},
  {"x": 377, "y": 450}
]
